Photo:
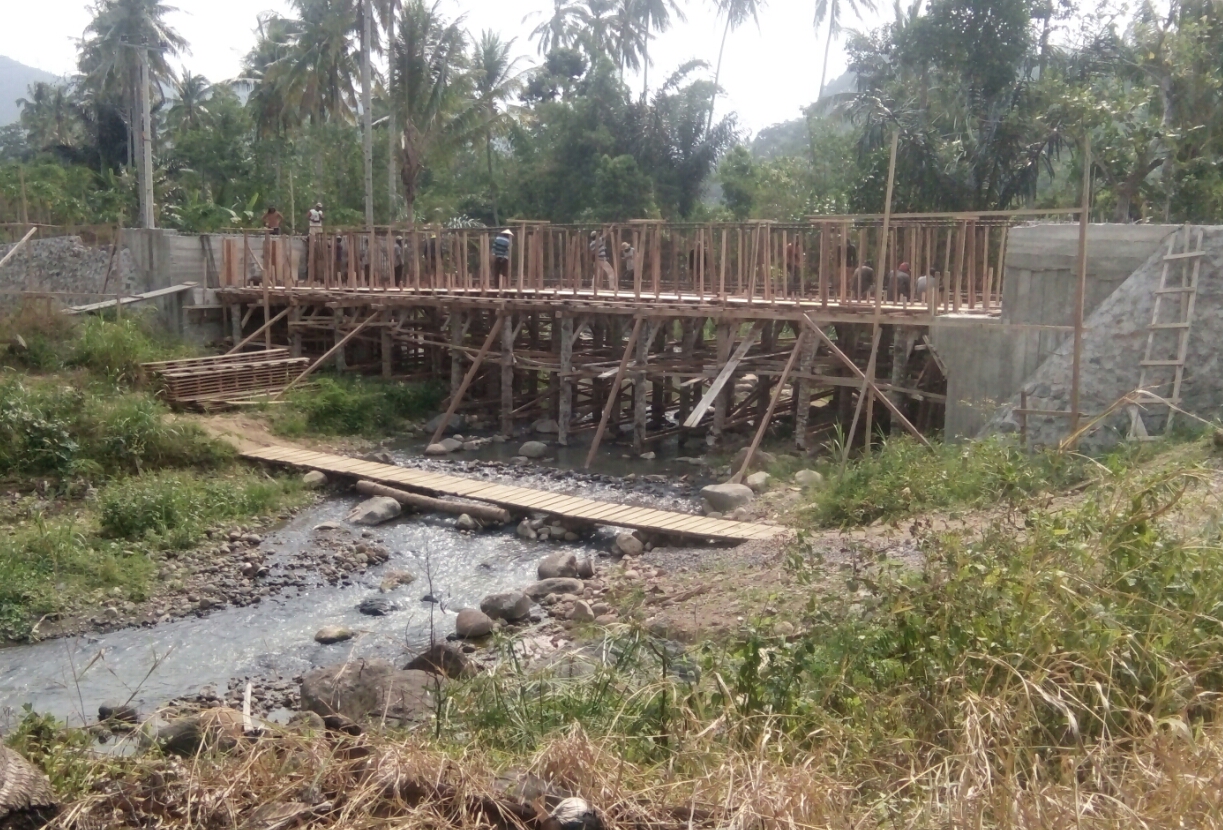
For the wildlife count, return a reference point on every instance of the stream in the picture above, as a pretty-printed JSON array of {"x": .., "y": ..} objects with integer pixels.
[{"x": 70, "y": 677}]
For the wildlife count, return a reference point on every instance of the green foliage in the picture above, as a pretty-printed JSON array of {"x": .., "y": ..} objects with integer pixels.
[
  {"x": 737, "y": 175},
  {"x": 64, "y": 754},
  {"x": 904, "y": 478},
  {"x": 348, "y": 405},
  {"x": 114, "y": 349}
]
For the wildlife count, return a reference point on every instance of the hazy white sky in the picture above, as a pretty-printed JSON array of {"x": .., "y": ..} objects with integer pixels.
[{"x": 768, "y": 74}]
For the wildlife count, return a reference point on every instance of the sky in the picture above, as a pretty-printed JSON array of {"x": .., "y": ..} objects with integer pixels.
[{"x": 768, "y": 73}]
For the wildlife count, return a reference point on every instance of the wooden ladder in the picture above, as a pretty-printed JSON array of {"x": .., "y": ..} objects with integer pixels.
[{"x": 1189, "y": 261}]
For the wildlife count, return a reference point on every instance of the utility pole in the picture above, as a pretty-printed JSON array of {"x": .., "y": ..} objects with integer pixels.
[
  {"x": 367, "y": 114},
  {"x": 146, "y": 140}
]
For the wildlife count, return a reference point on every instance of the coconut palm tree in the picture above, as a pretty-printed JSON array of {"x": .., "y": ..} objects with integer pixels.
[
  {"x": 654, "y": 16},
  {"x": 193, "y": 92},
  {"x": 832, "y": 13},
  {"x": 319, "y": 70},
  {"x": 497, "y": 79},
  {"x": 50, "y": 116},
  {"x": 736, "y": 12},
  {"x": 559, "y": 31},
  {"x": 263, "y": 68}
]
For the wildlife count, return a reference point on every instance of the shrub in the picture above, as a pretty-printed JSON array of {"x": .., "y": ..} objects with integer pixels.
[
  {"x": 355, "y": 406},
  {"x": 114, "y": 349}
]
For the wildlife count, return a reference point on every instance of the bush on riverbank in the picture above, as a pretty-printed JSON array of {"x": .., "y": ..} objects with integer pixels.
[
  {"x": 109, "y": 349},
  {"x": 355, "y": 405}
]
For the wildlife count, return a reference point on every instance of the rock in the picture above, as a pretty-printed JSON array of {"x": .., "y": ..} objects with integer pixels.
[
  {"x": 533, "y": 449},
  {"x": 17, "y": 345},
  {"x": 123, "y": 712},
  {"x": 465, "y": 522},
  {"x": 546, "y": 426},
  {"x": 329, "y": 634},
  {"x": 510, "y": 606},
  {"x": 582, "y": 612},
  {"x": 326, "y": 526},
  {"x": 314, "y": 480},
  {"x": 647, "y": 456},
  {"x": 455, "y": 424},
  {"x": 601, "y": 608},
  {"x": 808, "y": 478},
  {"x": 308, "y": 723},
  {"x": 473, "y": 444},
  {"x": 570, "y": 536},
  {"x": 393, "y": 579},
  {"x": 712, "y": 514},
  {"x": 559, "y": 564},
  {"x": 606, "y": 619},
  {"x": 586, "y": 566},
  {"x": 574, "y": 814},
  {"x": 382, "y": 457},
  {"x": 375, "y": 511},
  {"x": 760, "y": 460},
  {"x": 437, "y": 449},
  {"x": 472, "y": 623},
  {"x": 759, "y": 482},
  {"x": 451, "y": 444},
  {"x": 373, "y": 688},
  {"x": 441, "y": 659},
  {"x": 221, "y": 728},
  {"x": 1218, "y": 439},
  {"x": 375, "y": 606},
  {"x": 538, "y": 590},
  {"x": 629, "y": 545},
  {"x": 525, "y": 530},
  {"x": 520, "y": 459},
  {"x": 739, "y": 514},
  {"x": 725, "y": 497}
]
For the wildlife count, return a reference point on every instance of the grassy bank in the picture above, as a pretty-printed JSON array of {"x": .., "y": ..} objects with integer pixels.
[{"x": 351, "y": 405}]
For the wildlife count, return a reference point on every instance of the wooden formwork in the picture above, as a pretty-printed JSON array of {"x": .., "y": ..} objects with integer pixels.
[{"x": 215, "y": 381}]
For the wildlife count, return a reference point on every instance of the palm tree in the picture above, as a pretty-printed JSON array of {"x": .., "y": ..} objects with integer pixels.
[
  {"x": 319, "y": 70},
  {"x": 50, "y": 116},
  {"x": 388, "y": 11},
  {"x": 188, "y": 111},
  {"x": 831, "y": 11},
  {"x": 654, "y": 15},
  {"x": 431, "y": 91},
  {"x": 560, "y": 30},
  {"x": 736, "y": 12},
  {"x": 263, "y": 68},
  {"x": 496, "y": 80}
]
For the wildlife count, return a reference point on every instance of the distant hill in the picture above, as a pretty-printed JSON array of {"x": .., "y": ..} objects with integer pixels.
[
  {"x": 789, "y": 138},
  {"x": 15, "y": 81}
]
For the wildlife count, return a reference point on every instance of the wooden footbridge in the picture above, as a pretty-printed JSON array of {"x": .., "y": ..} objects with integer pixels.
[{"x": 519, "y": 499}]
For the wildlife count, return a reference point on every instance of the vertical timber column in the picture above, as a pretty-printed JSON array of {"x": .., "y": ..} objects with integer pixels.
[
  {"x": 722, "y": 404},
  {"x": 802, "y": 390},
  {"x": 235, "y": 321},
  {"x": 457, "y": 329},
  {"x": 340, "y": 365},
  {"x": 904, "y": 338},
  {"x": 387, "y": 345},
  {"x": 295, "y": 332},
  {"x": 658, "y": 390},
  {"x": 764, "y": 383},
  {"x": 507, "y": 376},
  {"x": 639, "y": 398},
  {"x": 565, "y": 407}
]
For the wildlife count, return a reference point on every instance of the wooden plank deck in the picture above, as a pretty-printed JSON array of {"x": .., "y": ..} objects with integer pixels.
[{"x": 520, "y": 498}]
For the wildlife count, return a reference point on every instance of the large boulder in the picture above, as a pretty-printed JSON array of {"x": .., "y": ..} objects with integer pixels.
[
  {"x": 511, "y": 606},
  {"x": 375, "y": 511},
  {"x": 541, "y": 589},
  {"x": 437, "y": 449},
  {"x": 369, "y": 689},
  {"x": 760, "y": 459},
  {"x": 629, "y": 545},
  {"x": 375, "y": 606},
  {"x": 559, "y": 564},
  {"x": 546, "y": 426},
  {"x": 451, "y": 444},
  {"x": 808, "y": 478},
  {"x": 726, "y": 497},
  {"x": 472, "y": 623},
  {"x": 466, "y": 522},
  {"x": 455, "y": 424},
  {"x": 759, "y": 482},
  {"x": 314, "y": 480},
  {"x": 221, "y": 728},
  {"x": 533, "y": 449},
  {"x": 441, "y": 659},
  {"x": 330, "y": 634}
]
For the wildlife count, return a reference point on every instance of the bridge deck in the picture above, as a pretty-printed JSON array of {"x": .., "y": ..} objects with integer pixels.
[{"x": 519, "y": 498}]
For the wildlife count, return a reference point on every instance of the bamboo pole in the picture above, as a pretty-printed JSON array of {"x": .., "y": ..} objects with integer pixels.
[
  {"x": 310, "y": 369},
  {"x": 614, "y": 392},
  {"x": 17, "y": 247},
  {"x": 1080, "y": 292},
  {"x": 467, "y": 378},
  {"x": 266, "y": 326},
  {"x": 768, "y": 413}
]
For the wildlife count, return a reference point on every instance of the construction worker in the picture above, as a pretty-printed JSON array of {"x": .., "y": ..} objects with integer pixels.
[
  {"x": 628, "y": 256},
  {"x": 598, "y": 251},
  {"x": 501, "y": 258},
  {"x": 314, "y": 218},
  {"x": 272, "y": 220}
]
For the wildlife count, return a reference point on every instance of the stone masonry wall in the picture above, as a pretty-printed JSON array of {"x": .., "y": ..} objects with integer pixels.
[
  {"x": 62, "y": 264},
  {"x": 1113, "y": 346}
]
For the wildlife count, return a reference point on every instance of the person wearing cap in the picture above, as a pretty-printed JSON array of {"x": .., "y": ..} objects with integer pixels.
[
  {"x": 902, "y": 278},
  {"x": 314, "y": 218},
  {"x": 598, "y": 252},
  {"x": 501, "y": 257},
  {"x": 629, "y": 257}
]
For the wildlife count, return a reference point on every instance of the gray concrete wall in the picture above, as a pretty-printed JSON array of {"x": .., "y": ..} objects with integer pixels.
[
  {"x": 986, "y": 363},
  {"x": 1113, "y": 346}
]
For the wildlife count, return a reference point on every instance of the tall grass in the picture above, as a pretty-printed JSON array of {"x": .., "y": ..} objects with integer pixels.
[{"x": 350, "y": 405}]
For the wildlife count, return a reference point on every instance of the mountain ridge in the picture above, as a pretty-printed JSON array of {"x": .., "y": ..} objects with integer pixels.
[{"x": 15, "y": 81}]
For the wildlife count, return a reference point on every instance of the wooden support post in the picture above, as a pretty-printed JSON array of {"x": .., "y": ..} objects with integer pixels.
[
  {"x": 13, "y": 251},
  {"x": 458, "y": 329},
  {"x": 768, "y": 413},
  {"x": 904, "y": 338},
  {"x": 507, "y": 370},
  {"x": 614, "y": 393},
  {"x": 868, "y": 384},
  {"x": 313, "y": 366},
  {"x": 267, "y": 326},
  {"x": 387, "y": 343},
  {"x": 337, "y": 316},
  {"x": 564, "y": 410},
  {"x": 802, "y": 392},
  {"x": 295, "y": 334},
  {"x": 728, "y": 368},
  {"x": 235, "y": 320},
  {"x": 467, "y": 379},
  {"x": 640, "y": 410},
  {"x": 724, "y": 396},
  {"x": 1080, "y": 293}
]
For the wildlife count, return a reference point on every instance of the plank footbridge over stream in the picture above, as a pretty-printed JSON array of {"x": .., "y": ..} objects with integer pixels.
[{"x": 519, "y": 498}]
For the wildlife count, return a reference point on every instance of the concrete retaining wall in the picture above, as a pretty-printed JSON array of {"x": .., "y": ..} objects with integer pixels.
[{"x": 63, "y": 264}]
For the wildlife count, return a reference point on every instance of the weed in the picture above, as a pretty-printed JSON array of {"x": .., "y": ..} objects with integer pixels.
[
  {"x": 355, "y": 406},
  {"x": 114, "y": 349}
]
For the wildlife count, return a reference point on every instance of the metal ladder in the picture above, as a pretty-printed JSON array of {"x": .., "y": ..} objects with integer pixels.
[{"x": 1189, "y": 261}]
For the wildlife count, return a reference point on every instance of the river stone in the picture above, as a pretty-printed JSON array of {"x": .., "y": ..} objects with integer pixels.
[
  {"x": 510, "y": 606},
  {"x": 472, "y": 623},
  {"x": 466, "y": 522},
  {"x": 760, "y": 459},
  {"x": 369, "y": 688},
  {"x": 629, "y": 545},
  {"x": 559, "y": 564},
  {"x": 759, "y": 482},
  {"x": 441, "y": 659},
  {"x": 221, "y": 727},
  {"x": 375, "y": 511},
  {"x": 808, "y": 478},
  {"x": 451, "y": 444},
  {"x": 437, "y": 449},
  {"x": 525, "y": 530},
  {"x": 123, "y": 712},
  {"x": 726, "y": 497},
  {"x": 375, "y": 606},
  {"x": 456, "y": 423},
  {"x": 533, "y": 449},
  {"x": 586, "y": 565},
  {"x": 546, "y": 426},
  {"x": 561, "y": 585},
  {"x": 582, "y": 612},
  {"x": 314, "y": 480},
  {"x": 329, "y": 634}
]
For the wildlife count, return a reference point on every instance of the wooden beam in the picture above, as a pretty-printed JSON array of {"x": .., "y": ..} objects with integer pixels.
[
  {"x": 310, "y": 369},
  {"x": 868, "y": 378},
  {"x": 467, "y": 378},
  {"x": 259, "y": 331},
  {"x": 17, "y": 247},
  {"x": 768, "y": 413},
  {"x": 1080, "y": 292},
  {"x": 614, "y": 392},
  {"x": 483, "y": 512},
  {"x": 861, "y": 375},
  {"x": 707, "y": 399}
]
